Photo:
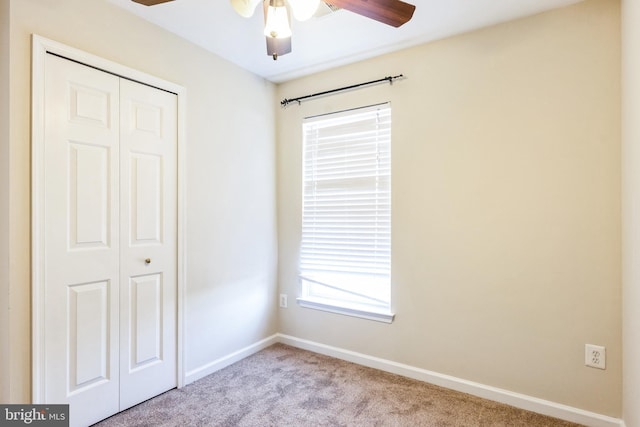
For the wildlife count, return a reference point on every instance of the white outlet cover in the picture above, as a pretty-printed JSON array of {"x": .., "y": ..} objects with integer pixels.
[
  {"x": 283, "y": 300},
  {"x": 595, "y": 356}
]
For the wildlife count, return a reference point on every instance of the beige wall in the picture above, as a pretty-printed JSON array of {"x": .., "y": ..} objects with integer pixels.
[
  {"x": 506, "y": 205},
  {"x": 231, "y": 263},
  {"x": 630, "y": 209},
  {"x": 4, "y": 200}
]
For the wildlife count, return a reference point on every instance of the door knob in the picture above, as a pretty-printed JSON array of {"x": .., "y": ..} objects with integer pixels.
[{"x": 147, "y": 261}]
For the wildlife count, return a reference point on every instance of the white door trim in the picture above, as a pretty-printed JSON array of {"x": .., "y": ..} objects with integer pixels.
[{"x": 40, "y": 47}]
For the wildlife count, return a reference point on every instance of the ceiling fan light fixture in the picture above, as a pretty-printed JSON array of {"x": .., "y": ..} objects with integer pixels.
[
  {"x": 245, "y": 8},
  {"x": 304, "y": 9},
  {"x": 277, "y": 20}
]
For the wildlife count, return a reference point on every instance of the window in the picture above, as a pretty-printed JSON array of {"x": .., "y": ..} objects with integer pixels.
[{"x": 346, "y": 214}]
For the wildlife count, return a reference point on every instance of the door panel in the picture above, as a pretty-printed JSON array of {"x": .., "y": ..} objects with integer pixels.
[
  {"x": 146, "y": 199},
  {"x": 145, "y": 294},
  {"x": 148, "y": 147},
  {"x": 89, "y": 197},
  {"x": 82, "y": 244},
  {"x": 88, "y": 339},
  {"x": 89, "y": 105}
]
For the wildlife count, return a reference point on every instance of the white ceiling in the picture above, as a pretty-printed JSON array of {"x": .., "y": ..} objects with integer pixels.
[{"x": 328, "y": 41}]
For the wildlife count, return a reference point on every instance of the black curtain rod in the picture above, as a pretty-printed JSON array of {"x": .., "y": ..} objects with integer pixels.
[{"x": 299, "y": 99}]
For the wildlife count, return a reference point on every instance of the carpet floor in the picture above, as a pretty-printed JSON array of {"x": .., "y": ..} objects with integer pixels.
[{"x": 287, "y": 386}]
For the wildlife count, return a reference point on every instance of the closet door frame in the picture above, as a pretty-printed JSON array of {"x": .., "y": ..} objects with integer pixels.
[{"x": 40, "y": 48}]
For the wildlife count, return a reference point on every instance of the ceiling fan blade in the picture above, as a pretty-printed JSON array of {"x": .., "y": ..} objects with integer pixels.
[
  {"x": 390, "y": 12},
  {"x": 151, "y": 2}
]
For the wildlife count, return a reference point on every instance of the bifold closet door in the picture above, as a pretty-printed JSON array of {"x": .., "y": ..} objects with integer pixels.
[{"x": 110, "y": 241}]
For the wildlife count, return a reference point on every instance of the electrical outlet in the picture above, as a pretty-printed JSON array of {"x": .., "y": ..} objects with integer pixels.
[
  {"x": 595, "y": 356},
  {"x": 283, "y": 300}
]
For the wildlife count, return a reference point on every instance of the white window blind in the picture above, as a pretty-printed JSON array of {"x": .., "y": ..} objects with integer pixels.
[{"x": 346, "y": 228}]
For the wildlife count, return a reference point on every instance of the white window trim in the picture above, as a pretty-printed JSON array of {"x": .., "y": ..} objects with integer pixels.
[{"x": 347, "y": 310}]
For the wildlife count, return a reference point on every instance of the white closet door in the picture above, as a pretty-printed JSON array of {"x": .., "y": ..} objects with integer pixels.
[
  {"x": 148, "y": 278},
  {"x": 110, "y": 233},
  {"x": 82, "y": 241}
]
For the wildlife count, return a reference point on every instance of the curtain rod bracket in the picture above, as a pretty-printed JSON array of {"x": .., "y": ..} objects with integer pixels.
[{"x": 285, "y": 102}]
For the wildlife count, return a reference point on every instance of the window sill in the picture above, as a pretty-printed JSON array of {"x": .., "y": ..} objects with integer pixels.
[{"x": 354, "y": 311}]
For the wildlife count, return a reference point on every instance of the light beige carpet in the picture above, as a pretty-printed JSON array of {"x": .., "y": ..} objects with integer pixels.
[{"x": 286, "y": 386}]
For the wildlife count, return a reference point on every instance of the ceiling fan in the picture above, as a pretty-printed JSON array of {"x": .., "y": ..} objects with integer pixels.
[{"x": 277, "y": 18}]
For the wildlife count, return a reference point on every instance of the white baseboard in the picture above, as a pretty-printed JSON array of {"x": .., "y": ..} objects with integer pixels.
[
  {"x": 229, "y": 359},
  {"x": 518, "y": 400}
]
